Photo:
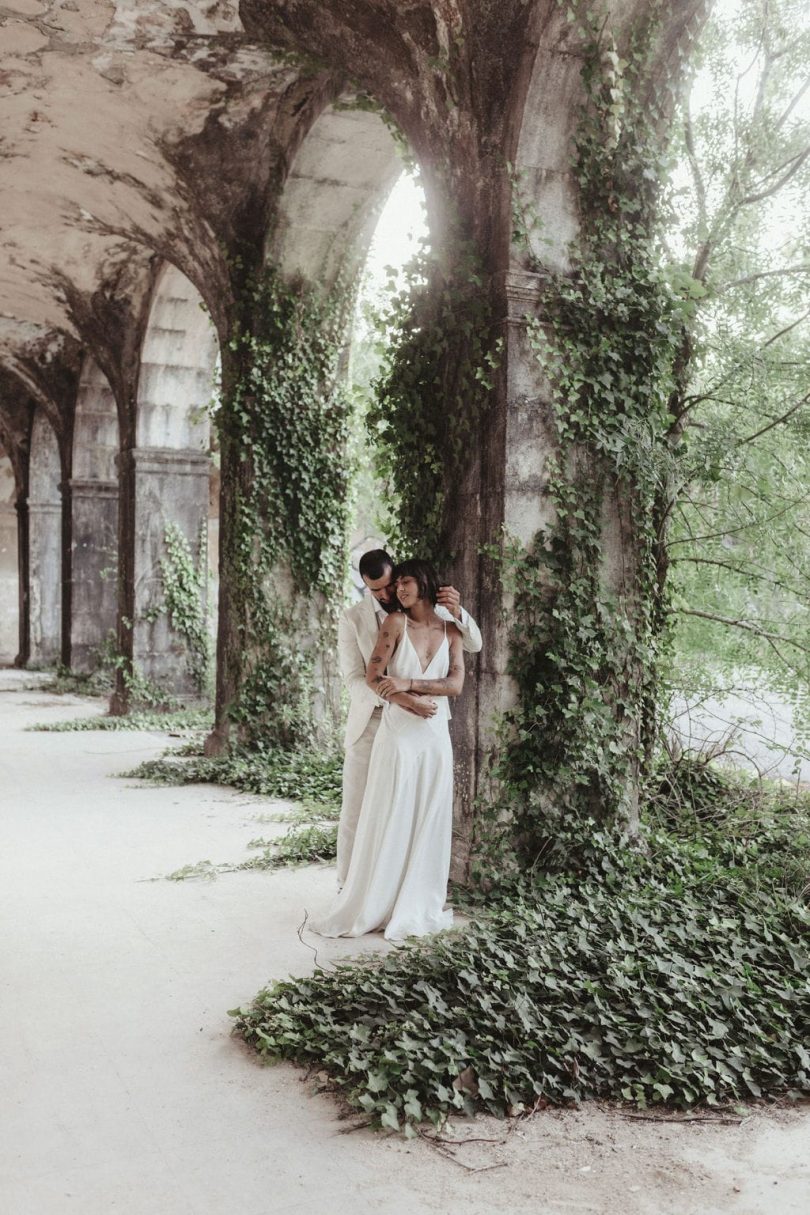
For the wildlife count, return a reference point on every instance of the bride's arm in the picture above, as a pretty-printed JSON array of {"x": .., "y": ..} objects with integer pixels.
[
  {"x": 383, "y": 652},
  {"x": 453, "y": 681}
]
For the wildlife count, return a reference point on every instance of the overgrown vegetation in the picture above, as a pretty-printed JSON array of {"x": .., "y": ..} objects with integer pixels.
[
  {"x": 669, "y": 967},
  {"x": 588, "y": 624},
  {"x": 439, "y": 353},
  {"x": 302, "y": 775},
  {"x": 310, "y": 778},
  {"x": 311, "y": 837},
  {"x": 181, "y": 721},
  {"x": 283, "y": 427},
  {"x": 674, "y": 972},
  {"x": 183, "y": 581}
]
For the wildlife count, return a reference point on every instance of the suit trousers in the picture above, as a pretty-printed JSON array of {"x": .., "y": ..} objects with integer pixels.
[{"x": 355, "y": 776}]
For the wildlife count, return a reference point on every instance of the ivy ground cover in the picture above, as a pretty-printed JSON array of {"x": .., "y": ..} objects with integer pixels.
[{"x": 678, "y": 973}]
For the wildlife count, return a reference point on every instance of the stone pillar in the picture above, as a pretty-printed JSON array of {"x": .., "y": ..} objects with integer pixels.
[
  {"x": 24, "y": 652},
  {"x": 45, "y": 581},
  {"x": 503, "y": 489},
  {"x": 170, "y": 487},
  {"x": 94, "y": 558},
  {"x": 9, "y": 573}
]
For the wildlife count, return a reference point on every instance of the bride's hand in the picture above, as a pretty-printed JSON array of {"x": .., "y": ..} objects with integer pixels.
[{"x": 389, "y": 685}]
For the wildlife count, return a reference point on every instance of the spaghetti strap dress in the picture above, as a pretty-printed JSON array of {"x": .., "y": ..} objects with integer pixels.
[{"x": 397, "y": 879}]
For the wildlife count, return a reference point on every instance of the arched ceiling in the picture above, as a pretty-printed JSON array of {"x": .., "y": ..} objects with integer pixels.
[
  {"x": 140, "y": 131},
  {"x": 101, "y": 105}
]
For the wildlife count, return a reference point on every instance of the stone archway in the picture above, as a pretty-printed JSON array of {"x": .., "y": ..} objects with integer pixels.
[
  {"x": 338, "y": 180},
  {"x": 172, "y": 465},
  {"x": 45, "y": 543},
  {"x": 94, "y": 519},
  {"x": 337, "y": 185}
]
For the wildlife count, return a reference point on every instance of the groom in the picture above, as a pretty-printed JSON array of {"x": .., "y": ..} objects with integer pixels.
[{"x": 357, "y": 636}]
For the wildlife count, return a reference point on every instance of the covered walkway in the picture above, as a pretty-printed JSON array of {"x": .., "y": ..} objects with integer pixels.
[{"x": 124, "y": 1092}]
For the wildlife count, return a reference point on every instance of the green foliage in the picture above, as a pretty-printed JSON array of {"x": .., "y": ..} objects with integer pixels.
[
  {"x": 679, "y": 973},
  {"x": 184, "y": 591},
  {"x": 66, "y": 682},
  {"x": 180, "y": 721},
  {"x": 439, "y": 355},
  {"x": 285, "y": 420},
  {"x": 311, "y": 838},
  {"x": 739, "y": 552},
  {"x": 302, "y": 775}
]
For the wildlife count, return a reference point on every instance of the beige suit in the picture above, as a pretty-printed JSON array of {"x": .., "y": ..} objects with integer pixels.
[{"x": 357, "y": 636}]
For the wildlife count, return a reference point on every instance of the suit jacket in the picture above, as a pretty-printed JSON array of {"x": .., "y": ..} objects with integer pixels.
[{"x": 357, "y": 636}]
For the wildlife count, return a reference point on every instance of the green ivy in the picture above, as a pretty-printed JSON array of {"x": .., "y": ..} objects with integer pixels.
[
  {"x": 285, "y": 420},
  {"x": 184, "y": 595},
  {"x": 440, "y": 353},
  {"x": 678, "y": 973}
]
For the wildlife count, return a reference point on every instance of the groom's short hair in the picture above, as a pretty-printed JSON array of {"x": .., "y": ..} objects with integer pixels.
[{"x": 373, "y": 564}]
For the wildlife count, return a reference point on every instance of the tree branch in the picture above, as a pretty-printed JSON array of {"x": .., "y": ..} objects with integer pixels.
[
  {"x": 747, "y": 627},
  {"x": 753, "y": 278},
  {"x": 795, "y": 162},
  {"x": 777, "y": 421},
  {"x": 745, "y": 573}
]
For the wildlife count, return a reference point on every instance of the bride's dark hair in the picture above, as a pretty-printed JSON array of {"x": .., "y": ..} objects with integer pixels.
[{"x": 426, "y": 577}]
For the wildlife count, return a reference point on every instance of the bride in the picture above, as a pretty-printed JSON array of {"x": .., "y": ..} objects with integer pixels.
[{"x": 400, "y": 863}]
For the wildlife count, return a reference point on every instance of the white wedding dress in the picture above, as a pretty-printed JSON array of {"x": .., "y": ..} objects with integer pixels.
[{"x": 400, "y": 863}]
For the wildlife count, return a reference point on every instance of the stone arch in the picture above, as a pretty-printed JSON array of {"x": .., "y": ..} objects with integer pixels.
[
  {"x": 94, "y": 518},
  {"x": 9, "y": 562},
  {"x": 547, "y": 124},
  {"x": 177, "y": 362},
  {"x": 45, "y": 542},
  {"x": 172, "y": 463},
  {"x": 338, "y": 182}
]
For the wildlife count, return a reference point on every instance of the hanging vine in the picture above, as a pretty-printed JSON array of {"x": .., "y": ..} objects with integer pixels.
[{"x": 440, "y": 355}]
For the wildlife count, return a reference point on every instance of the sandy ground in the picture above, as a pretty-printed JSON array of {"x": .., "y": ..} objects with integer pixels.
[{"x": 123, "y": 1091}]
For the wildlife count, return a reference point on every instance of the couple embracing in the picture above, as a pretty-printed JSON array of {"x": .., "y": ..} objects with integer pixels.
[{"x": 401, "y": 658}]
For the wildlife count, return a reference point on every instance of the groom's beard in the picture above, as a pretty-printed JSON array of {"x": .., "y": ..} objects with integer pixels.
[{"x": 393, "y": 605}]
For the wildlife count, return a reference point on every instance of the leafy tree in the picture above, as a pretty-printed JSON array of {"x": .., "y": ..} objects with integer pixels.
[{"x": 735, "y": 520}]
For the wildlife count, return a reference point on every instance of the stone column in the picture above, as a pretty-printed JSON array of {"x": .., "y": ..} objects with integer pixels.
[
  {"x": 170, "y": 487},
  {"x": 45, "y": 582},
  {"x": 504, "y": 488},
  {"x": 9, "y": 572},
  {"x": 94, "y": 559},
  {"x": 24, "y": 652}
]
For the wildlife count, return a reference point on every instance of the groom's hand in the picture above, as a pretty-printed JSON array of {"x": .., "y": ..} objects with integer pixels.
[{"x": 450, "y": 599}]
